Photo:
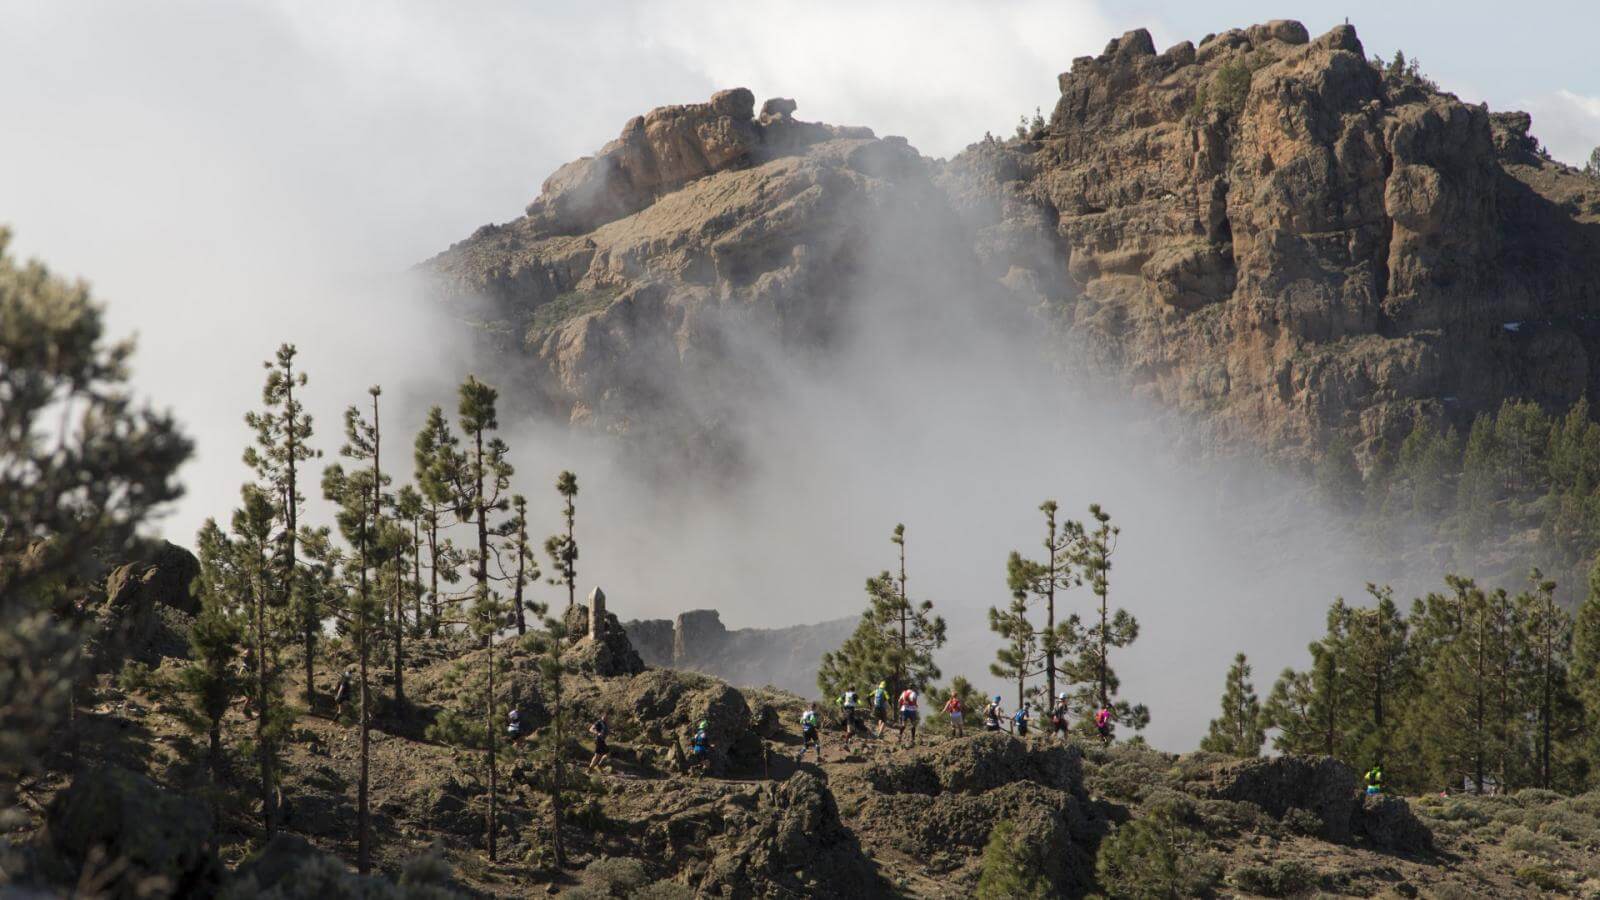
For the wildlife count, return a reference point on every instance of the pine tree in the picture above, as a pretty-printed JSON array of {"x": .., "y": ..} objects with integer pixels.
[
  {"x": 1310, "y": 709},
  {"x": 283, "y": 432},
  {"x": 1380, "y": 675},
  {"x": 525, "y": 566},
  {"x": 1020, "y": 657},
  {"x": 1043, "y": 580},
  {"x": 1522, "y": 430},
  {"x": 361, "y": 500},
  {"x": 410, "y": 510},
  {"x": 1239, "y": 730},
  {"x": 1480, "y": 486},
  {"x": 481, "y": 476},
  {"x": 1108, "y": 630},
  {"x": 1012, "y": 869},
  {"x": 1423, "y": 489},
  {"x": 1338, "y": 478},
  {"x": 488, "y": 617},
  {"x": 1458, "y": 728},
  {"x": 894, "y": 642},
  {"x": 1585, "y": 668},
  {"x": 437, "y": 457},
  {"x": 563, "y": 548},
  {"x": 82, "y": 466},
  {"x": 210, "y": 680},
  {"x": 1558, "y": 711},
  {"x": 553, "y": 740},
  {"x": 247, "y": 558}
]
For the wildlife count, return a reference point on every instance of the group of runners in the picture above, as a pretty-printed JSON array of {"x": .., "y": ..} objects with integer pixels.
[{"x": 903, "y": 713}]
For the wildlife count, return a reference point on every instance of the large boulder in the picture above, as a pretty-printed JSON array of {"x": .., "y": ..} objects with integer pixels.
[
  {"x": 1388, "y": 823},
  {"x": 980, "y": 763},
  {"x": 145, "y": 840},
  {"x": 940, "y": 804},
  {"x": 670, "y": 703},
  {"x": 148, "y": 609},
  {"x": 797, "y": 848},
  {"x": 1320, "y": 785}
]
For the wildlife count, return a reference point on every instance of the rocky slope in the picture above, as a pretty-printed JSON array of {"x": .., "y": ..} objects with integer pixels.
[
  {"x": 1266, "y": 231},
  {"x": 119, "y": 807}
]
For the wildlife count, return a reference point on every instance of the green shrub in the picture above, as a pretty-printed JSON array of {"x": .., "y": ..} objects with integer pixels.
[
  {"x": 1523, "y": 840},
  {"x": 1584, "y": 804},
  {"x": 1156, "y": 856},
  {"x": 1510, "y": 816},
  {"x": 1535, "y": 796},
  {"x": 1279, "y": 879},
  {"x": 1543, "y": 879},
  {"x": 1230, "y": 87},
  {"x": 1302, "y": 821},
  {"x": 618, "y": 876},
  {"x": 1011, "y": 868},
  {"x": 1562, "y": 823}
]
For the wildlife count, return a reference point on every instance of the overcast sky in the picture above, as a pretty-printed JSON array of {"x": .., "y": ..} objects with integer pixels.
[{"x": 233, "y": 175}]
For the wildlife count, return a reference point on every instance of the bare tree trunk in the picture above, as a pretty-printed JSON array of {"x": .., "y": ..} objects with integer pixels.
[
  {"x": 399, "y": 632},
  {"x": 263, "y": 751}
]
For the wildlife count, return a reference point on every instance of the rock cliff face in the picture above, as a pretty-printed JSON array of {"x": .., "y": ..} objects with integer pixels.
[
  {"x": 1270, "y": 231},
  {"x": 1266, "y": 231}
]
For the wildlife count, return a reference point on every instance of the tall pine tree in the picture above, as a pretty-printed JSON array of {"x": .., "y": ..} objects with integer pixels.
[
  {"x": 563, "y": 548},
  {"x": 283, "y": 432},
  {"x": 894, "y": 641},
  {"x": 1107, "y": 629},
  {"x": 1020, "y": 657},
  {"x": 1044, "y": 579},
  {"x": 1239, "y": 730},
  {"x": 361, "y": 499},
  {"x": 437, "y": 456}
]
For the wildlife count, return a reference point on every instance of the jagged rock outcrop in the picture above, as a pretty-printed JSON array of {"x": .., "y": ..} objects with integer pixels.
[
  {"x": 608, "y": 654},
  {"x": 643, "y": 277},
  {"x": 1266, "y": 231},
  {"x": 148, "y": 610},
  {"x": 941, "y": 803},
  {"x": 1321, "y": 786},
  {"x": 1269, "y": 231},
  {"x": 698, "y": 641}
]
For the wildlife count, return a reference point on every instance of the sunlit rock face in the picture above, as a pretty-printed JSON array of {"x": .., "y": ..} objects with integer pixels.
[{"x": 1266, "y": 231}]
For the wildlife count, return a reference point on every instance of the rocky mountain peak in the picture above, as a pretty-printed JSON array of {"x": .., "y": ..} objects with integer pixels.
[
  {"x": 665, "y": 149},
  {"x": 1266, "y": 231}
]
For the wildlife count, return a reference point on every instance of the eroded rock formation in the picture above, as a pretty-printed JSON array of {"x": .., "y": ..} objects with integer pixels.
[{"x": 1267, "y": 231}]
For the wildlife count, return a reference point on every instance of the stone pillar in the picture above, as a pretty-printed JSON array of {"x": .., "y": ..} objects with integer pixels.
[{"x": 597, "y": 613}]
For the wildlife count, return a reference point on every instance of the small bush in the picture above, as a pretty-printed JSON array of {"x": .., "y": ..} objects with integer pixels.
[
  {"x": 1537, "y": 796},
  {"x": 1011, "y": 868},
  {"x": 1230, "y": 87},
  {"x": 1280, "y": 879},
  {"x": 619, "y": 876},
  {"x": 1461, "y": 810},
  {"x": 1523, "y": 840},
  {"x": 1543, "y": 879},
  {"x": 1510, "y": 816},
  {"x": 1302, "y": 822},
  {"x": 1562, "y": 823},
  {"x": 1156, "y": 856},
  {"x": 1585, "y": 804}
]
